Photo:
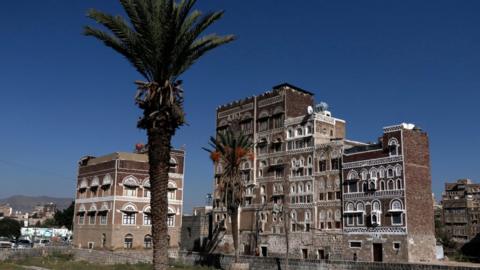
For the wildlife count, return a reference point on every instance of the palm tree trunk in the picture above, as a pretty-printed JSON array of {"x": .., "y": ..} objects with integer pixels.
[
  {"x": 235, "y": 233},
  {"x": 159, "y": 161}
]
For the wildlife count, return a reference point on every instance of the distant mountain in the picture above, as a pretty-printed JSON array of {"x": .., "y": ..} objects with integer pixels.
[{"x": 28, "y": 203}]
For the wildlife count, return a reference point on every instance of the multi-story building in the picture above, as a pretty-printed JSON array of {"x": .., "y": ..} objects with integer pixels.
[
  {"x": 112, "y": 206},
  {"x": 294, "y": 142},
  {"x": 387, "y": 201},
  {"x": 297, "y": 168},
  {"x": 461, "y": 210}
]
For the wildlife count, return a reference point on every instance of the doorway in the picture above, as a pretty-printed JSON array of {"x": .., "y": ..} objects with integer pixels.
[
  {"x": 377, "y": 252},
  {"x": 264, "y": 251}
]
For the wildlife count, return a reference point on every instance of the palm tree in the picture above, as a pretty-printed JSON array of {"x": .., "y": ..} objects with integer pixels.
[
  {"x": 161, "y": 39},
  {"x": 229, "y": 149}
]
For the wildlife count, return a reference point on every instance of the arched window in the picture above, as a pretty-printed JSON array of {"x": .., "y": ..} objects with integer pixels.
[
  {"x": 393, "y": 147},
  {"x": 309, "y": 129},
  {"x": 128, "y": 241},
  {"x": 147, "y": 241},
  {"x": 292, "y": 188},
  {"x": 300, "y": 188},
  {"x": 129, "y": 214},
  {"x": 299, "y": 131},
  {"x": 322, "y": 184},
  {"x": 373, "y": 173},
  {"x": 329, "y": 215},
  {"x": 396, "y": 205},
  {"x": 262, "y": 189},
  {"x": 376, "y": 206},
  {"x": 390, "y": 172},
  {"x": 350, "y": 207},
  {"x": 308, "y": 187},
  {"x": 399, "y": 184},
  {"x": 293, "y": 215},
  {"x": 391, "y": 185},
  {"x": 309, "y": 161},
  {"x": 360, "y": 207},
  {"x": 364, "y": 174},
  {"x": 173, "y": 165},
  {"x": 398, "y": 170},
  {"x": 382, "y": 185},
  {"x": 322, "y": 215},
  {"x": 338, "y": 215},
  {"x": 246, "y": 165},
  {"x": 308, "y": 215},
  {"x": 352, "y": 175},
  {"x": 290, "y": 133},
  {"x": 381, "y": 172}
]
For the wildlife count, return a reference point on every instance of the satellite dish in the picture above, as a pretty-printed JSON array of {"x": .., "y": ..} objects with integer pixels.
[{"x": 309, "y": 109}]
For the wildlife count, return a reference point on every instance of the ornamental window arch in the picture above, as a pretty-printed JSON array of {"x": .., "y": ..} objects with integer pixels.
[
  {"x": 107, "y": 180},
  {"x": 391, "y": 184},
  {"x": 399, "y": 184},
  {"x": 398, "y": 170},
  {"x": 396, "y": 204},
  {"x": 360, "y": 206},
  {"x": 338, "y": 215},
  {"x": 352, "y": 175},
  {"x": 322, "y": 215},
  {"x": 381, "y": 185},
  {"x": 300, "y": 188},
  {"x": 350, "y": 207},
  {"x": 263, "y": 114},
  {"x": 129, "y": 207},
  {"x": 299, "y": 131},
  {"x": 381, "y": 172},
  {"x": 364, "y": 174},
  {"x": 393, "y": 146},
  {"x": 329, "y": 214},
  {"x": 130, "y": 181},
  {"x": 373, "y": 172},
  {"x": 390, "y": 171},
  {"x": 376, "y": 206}
]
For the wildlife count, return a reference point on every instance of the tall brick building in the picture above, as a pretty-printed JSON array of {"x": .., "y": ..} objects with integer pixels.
[
  {"x": 461, "y": 210},
  {"x": 303, "y": 144},
  {"x": 112, "y": 206},
  {"x": 387, "y": 202}
]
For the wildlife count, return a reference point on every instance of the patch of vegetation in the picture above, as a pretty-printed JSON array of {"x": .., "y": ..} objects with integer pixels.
[{"x": 10, "y": 266}]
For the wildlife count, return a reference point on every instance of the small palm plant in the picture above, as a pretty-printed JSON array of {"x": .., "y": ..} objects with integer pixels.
[
  {"x": 161, "y": 39},
  {"x": 229, "y": 149}
]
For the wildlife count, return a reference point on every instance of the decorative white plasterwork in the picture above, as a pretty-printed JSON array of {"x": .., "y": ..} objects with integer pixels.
[
  {"x": 376, "y": 194},
  {"x": 269, "y": 101},
  {"x": 374, "y": 231},
  {"x": 237, "y": 109},
  {"x": 372, "y": 162}
]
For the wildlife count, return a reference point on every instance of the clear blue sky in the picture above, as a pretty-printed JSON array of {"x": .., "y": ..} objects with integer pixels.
[{"x": 376, "y": 63}]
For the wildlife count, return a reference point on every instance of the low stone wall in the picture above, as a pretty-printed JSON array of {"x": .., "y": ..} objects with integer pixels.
[
  {"x": 270, "y": 263},
  {"x": 18, "y": 254}
]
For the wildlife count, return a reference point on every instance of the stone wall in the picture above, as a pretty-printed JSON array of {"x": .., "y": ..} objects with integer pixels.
[{"x": 267, "y": 263}]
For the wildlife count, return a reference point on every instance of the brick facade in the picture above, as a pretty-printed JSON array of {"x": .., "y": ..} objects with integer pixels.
[
  {"x": 304, "y": 146},
  {"x": 112, "y": 206}
]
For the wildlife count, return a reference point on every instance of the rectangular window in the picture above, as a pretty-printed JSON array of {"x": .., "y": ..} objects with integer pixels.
[
  {"x": 246, "y": 126},
  {"x": 129, "y": 191},
  {"x": 278, "y": 121},
  {"x": 321, "y": 196},
  {"x": 360, "y": 219},
  {"x": 396, "y": 245},
  {"x": 352, "y": 187},
  {"x": 350, "y": 220},
  {"x": 146, "y": 193},
  {"x": 171, "y": 221},
  {"x": 337, "y": 225},
  {"x": 129, "y": 219},
  {"x": 330, "y": 196},
  {"x": 335, "y": 164},
  {"x": 147, "y": 219},
  {"x": 91, "y": 219},
  {"x": 307, "y": 227},
  {"x": 322, "y": 165},
  {"x": 171, "y": 195},
  {"x": 103, "y": 218},
  {"x": 355, "y": 244},
  {"x": 397, "y": 218},
  {"x": 279, "y": 173},
  {"x": 338, "y": 195},
  {"x": 81, "y": 219},
  {"x": 294, "y": 227},
  {"x": 263, "y": 125}
]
